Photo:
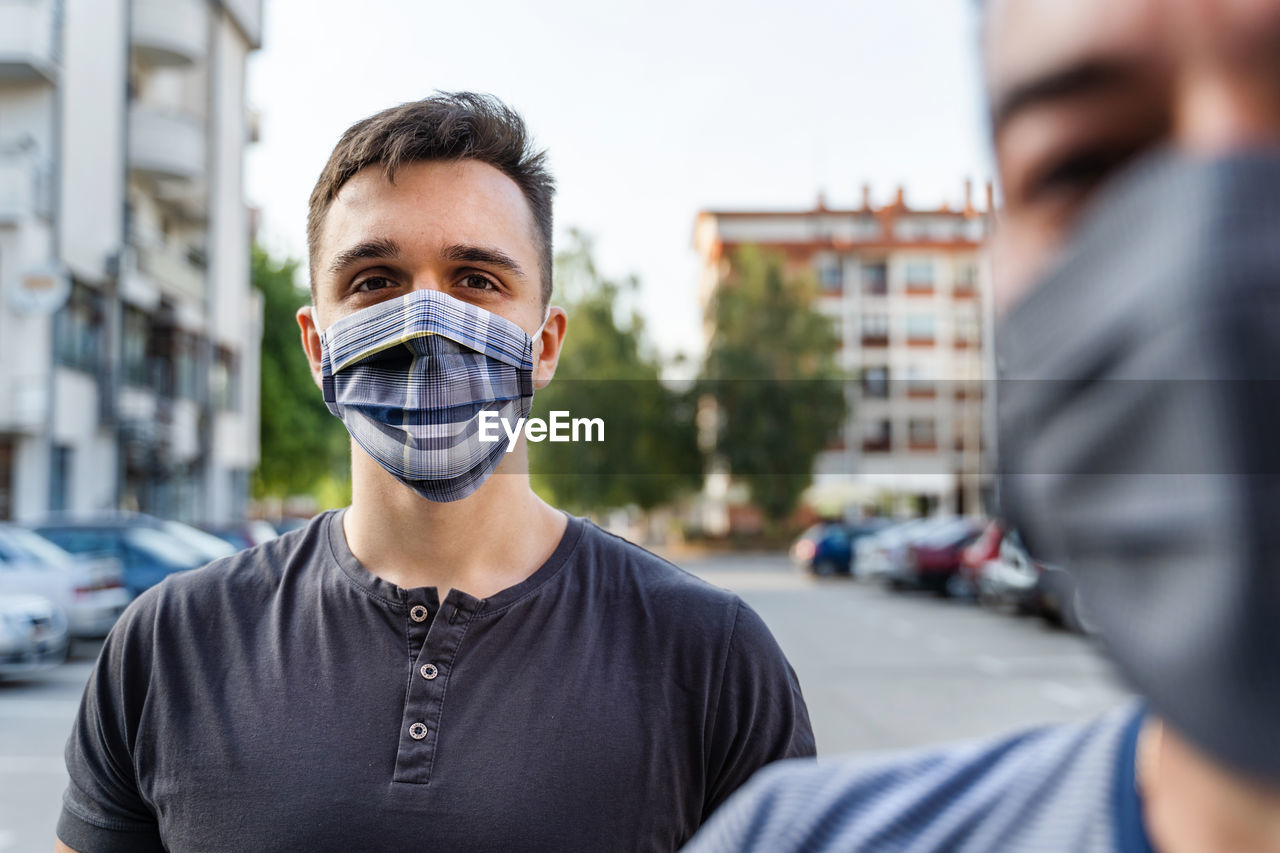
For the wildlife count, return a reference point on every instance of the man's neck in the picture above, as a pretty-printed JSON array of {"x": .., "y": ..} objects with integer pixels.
[
  {"x": 481, "y": 545},
  {"x": 1191, "y": 803}
]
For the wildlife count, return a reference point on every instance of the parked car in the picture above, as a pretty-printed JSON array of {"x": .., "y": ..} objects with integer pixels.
[
  {"x": 90, "y": 591},
  {"x": 245, "y": 534},
  {"x": 205, "y": 544},
  {"x": 33, "y": 634},
  {"x": 931, "y": 558},
  {"x": 288, "y": 523},
  {"x": 1011, "y": 580},
  {"x": 828, "y": 547},
  {"x": 1031, "y": 586},
  {"x": 972, "y": 560},
  {"x": 1059, "y": 600},
  {"x": 149, "y": 549},
  {"x": 876, "y": 555}
]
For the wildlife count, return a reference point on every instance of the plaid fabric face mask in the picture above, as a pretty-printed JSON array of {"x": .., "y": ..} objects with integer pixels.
[{"x": 409, "y": 378}]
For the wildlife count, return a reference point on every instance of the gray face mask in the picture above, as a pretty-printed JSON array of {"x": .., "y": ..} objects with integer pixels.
[{"x": 1139, "y": 439}]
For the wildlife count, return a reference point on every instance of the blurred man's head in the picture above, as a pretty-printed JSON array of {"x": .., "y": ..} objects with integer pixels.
[
  {"x": 1138, "y": 276},
  {"x": 1079, "y": 89}
]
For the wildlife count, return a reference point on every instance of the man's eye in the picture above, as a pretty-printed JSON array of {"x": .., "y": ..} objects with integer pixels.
[
  {"x": 1078, "y": 173},
  {"x": 374, "y": 282},
  {"x": 475, "y": 281}
]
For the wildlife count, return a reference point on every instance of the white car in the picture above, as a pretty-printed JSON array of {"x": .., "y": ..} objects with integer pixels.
[
  {"x": 33, "y": 634},
  {"x": 89, "y": 590},
  {"x": 877, "y": 554}
]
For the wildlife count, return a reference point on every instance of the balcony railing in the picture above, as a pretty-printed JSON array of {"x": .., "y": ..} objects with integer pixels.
[
  {"x": 170, "y": 32},
  {"x": 172, "y": 269},
  {"x": 24, "y": 402},
  {"x": 29, "y": 48},
  {"x": 165, "y": 143},
  {"x": 26, "y": 188}
]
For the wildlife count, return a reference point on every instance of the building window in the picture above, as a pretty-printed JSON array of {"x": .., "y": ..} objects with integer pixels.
[
  {"x": 920, "y": 329},
  {"x": 225, "y": 381},
  {"x": 922, "y": 434},
  {"x": 966, "y": 278},
  {"x": 875, "y": 330},
  {"x": 877, "y": 436},
  {"x": 875, "y": 278},
  {"x": 919, "y": 276},
  {"x": 875, "y": 382},
  {"x": 831, "y": 274},
  {"x": 186, "y": 367},
  {"x": 77, "y": 329},
  {"x": 6, "y": 479},
  {"x": 59, "y": 477},
  {"x": 920, "y": 383},
  {"x": 967, "y": 331},
  {"x": 136, "y": 330}
]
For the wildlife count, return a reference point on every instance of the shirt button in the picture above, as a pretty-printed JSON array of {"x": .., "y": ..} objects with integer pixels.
[
  {"x": 418, "y": 731},
  {"x": 429, "y": 671},
  {"x": 418, "y": 613}
]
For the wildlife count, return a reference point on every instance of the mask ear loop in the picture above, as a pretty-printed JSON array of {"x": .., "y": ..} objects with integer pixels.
[{"x": 537, "y": 336}]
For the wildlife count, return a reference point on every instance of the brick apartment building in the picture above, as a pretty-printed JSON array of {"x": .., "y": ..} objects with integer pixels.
[{"x": 907, "y": 289}]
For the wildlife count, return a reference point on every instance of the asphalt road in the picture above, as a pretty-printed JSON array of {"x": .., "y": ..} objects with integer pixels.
[
  {"x": 884, "y": 670},
  {"x": 880, "y": 670}
]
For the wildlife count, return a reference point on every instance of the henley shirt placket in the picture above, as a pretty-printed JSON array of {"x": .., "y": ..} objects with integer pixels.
[{"x": 437, "y": 641}]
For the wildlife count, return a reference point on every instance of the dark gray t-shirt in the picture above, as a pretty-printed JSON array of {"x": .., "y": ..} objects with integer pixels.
[{"x": 287, "y": 699}]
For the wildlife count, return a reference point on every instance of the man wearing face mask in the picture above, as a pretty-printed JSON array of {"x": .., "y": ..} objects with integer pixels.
[
  {"x": 449, "y": 663},
  {"x": 1137, "y": 272}
]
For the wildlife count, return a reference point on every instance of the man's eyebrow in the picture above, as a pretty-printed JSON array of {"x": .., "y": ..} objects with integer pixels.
[
  {"x": 1083, "y": 78},
  {"x": 461, "y": 253},
  {"x": 362, "y": 251}
]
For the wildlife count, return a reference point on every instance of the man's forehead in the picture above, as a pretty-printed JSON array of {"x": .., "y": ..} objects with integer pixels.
[
  {"x": 455, "y": 200},
  {"x": 1026, "y": 39},
  {"x": 461, "y": 185}
]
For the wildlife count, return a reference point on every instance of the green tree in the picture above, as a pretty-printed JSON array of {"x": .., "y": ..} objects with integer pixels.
[
  {"x": 771, "y": 370},
  {"x": 606, "y": 370},
  {"x": 304, "y": 448}
]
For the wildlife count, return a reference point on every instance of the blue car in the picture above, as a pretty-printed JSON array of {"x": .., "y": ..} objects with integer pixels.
[
  {"x": 149, "y": 549},
  {"x": 827, "y": 548}
]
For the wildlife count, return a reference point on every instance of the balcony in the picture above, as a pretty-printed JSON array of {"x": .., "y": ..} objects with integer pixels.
[
  {"x": 29, "y": 43},
  {"x": 170, "y": 33},
  {"x": 166, "y": 144},
  {"x": 24, "y": 400},
  {"x": 878, "y": 444},
  {"x": 26, "y": 189},
  {"x": 172, "y": 270}
]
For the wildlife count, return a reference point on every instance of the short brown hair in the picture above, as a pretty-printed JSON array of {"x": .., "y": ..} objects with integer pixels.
[{"x": 444, "y": 126}]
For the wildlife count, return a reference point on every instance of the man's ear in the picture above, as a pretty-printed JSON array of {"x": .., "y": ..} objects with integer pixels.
[
  {"x": 547, "y": 347},
  {"x": 311, "y": 340}
]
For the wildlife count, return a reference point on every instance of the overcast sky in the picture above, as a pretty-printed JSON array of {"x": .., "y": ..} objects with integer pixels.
[{"x": 651, "y": 112}]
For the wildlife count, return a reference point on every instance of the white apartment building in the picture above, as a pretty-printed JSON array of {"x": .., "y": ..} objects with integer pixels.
[
  {"x": 908, "y": 292},
  {"x": 129, "y": 334}
]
